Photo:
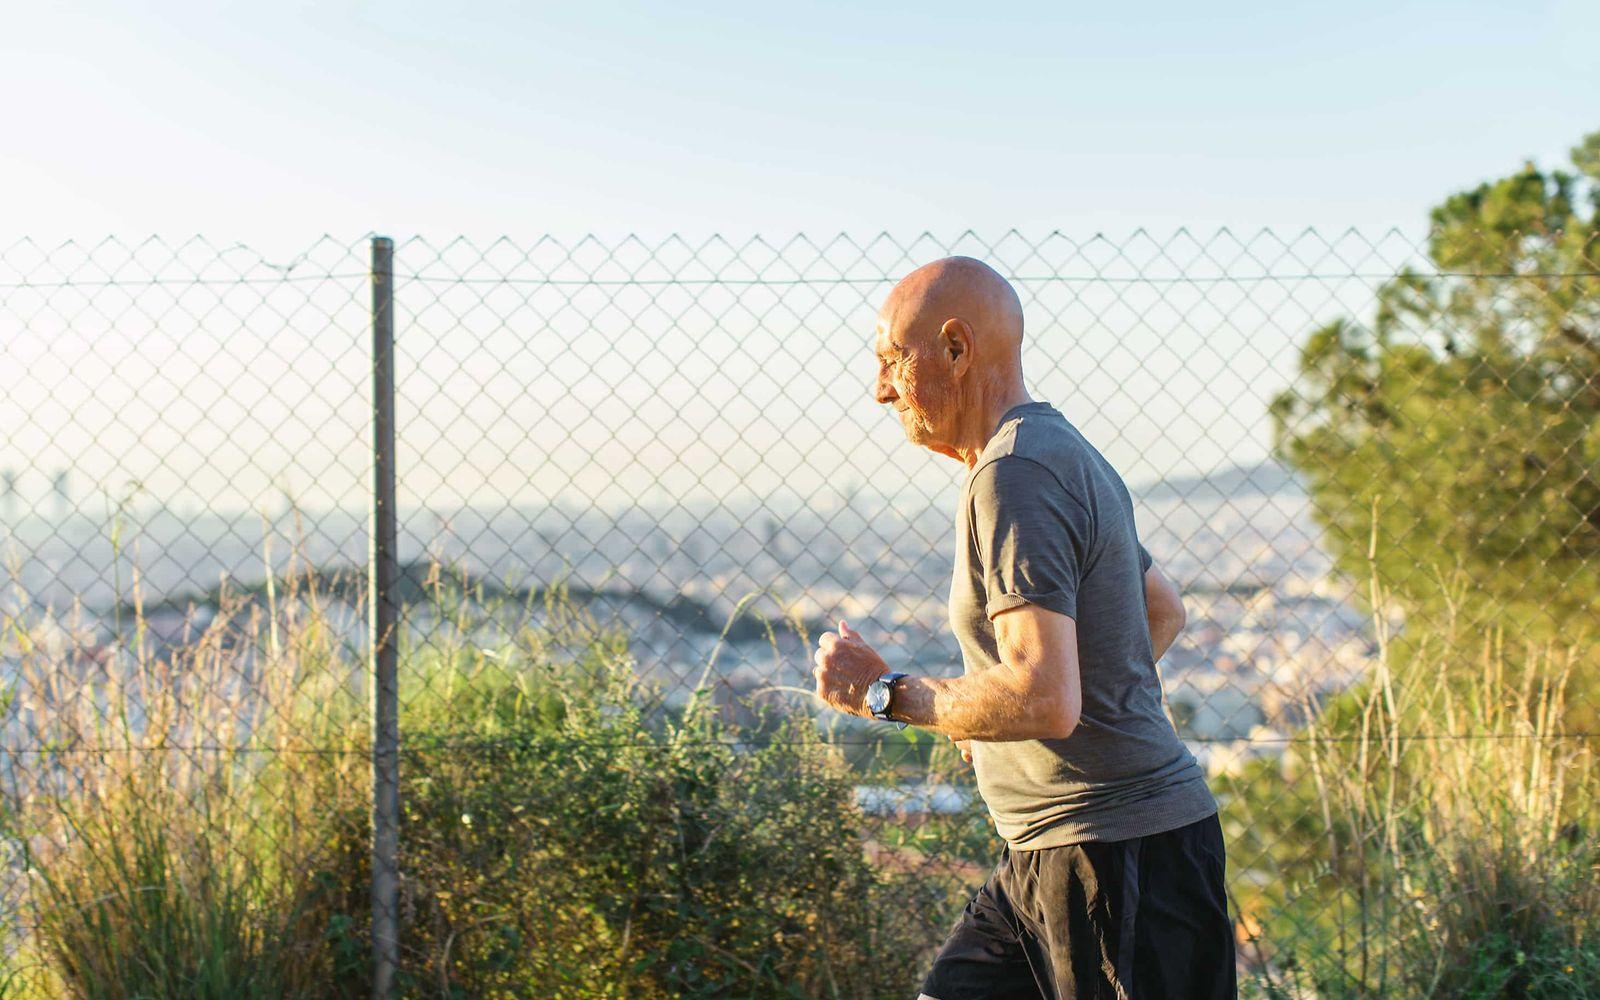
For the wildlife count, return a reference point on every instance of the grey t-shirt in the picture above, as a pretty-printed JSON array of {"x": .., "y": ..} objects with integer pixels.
[{"x": 1046, "y": 520}]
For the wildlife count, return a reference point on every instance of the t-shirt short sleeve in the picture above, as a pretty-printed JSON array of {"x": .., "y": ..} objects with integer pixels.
[
  {"x": 1144, "y": 559},
  {"x": 1032, "y": 537}
]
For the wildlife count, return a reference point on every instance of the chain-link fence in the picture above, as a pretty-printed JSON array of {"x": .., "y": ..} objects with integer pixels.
[{"x": 633, "y": 482}]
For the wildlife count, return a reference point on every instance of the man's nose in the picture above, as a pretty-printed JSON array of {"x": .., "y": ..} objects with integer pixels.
[{"x": 884, "y": 392}]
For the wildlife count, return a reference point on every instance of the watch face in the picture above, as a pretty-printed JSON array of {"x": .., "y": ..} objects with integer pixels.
[{"x": 877, "y": 696}]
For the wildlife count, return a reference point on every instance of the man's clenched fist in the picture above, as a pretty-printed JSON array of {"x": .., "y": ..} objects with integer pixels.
[{"x": 845, "y": 665}]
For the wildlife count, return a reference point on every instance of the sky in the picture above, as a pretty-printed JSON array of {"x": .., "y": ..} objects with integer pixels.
[
  {"x": 272, "y": 124},
  {"x": 269, "y": 124}
]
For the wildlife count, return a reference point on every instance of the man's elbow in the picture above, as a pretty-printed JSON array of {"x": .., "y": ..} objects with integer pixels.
[
  {"x": 1066, "y": 722},
  {"x": 1058, "y": 718},
  {"x": 1171, "y": 614}
]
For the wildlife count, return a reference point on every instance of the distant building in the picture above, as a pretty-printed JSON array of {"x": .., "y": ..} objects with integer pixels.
[{"x": 60, "y": 486}]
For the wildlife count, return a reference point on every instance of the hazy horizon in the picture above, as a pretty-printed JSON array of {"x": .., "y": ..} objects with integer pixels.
[{"x": 628, "y": 374}]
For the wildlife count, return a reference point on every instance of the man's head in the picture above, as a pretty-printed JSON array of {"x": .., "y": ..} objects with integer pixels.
[{"x": 949, "y": 345}]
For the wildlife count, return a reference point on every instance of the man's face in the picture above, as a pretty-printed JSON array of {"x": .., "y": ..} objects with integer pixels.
[{"x": 912, "y": 380}]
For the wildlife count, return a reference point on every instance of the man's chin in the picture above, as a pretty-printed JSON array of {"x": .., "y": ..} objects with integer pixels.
[
  {"x": 924, "y": 438},
  {"x": 918, "y": 432},
  {"x": 920, "y": 436}
]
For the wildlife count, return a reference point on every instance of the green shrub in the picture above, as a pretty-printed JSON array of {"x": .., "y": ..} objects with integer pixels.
[{"x": 561, "y": 839}]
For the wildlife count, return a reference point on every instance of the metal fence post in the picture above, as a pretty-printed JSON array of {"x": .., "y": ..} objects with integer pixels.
[{"x": 383, "y": 614}]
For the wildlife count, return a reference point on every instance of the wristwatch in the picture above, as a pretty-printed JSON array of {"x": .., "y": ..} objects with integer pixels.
[{"x": 879, "y": 693}]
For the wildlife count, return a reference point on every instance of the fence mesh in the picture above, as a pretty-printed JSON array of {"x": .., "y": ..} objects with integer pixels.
[{"x": 637, "y": 479}]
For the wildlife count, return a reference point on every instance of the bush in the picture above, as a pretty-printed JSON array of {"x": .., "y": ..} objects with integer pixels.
[{"x": 561, "y": 838}]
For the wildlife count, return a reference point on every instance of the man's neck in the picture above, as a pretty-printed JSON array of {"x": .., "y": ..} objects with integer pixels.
[{"x": 986, "y": 420}]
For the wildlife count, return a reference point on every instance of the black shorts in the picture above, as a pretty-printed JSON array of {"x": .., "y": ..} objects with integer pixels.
[{"x": 1140, "y": 919}]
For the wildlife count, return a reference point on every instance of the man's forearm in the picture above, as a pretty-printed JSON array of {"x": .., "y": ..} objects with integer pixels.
[{"x": 987, "y": 706}]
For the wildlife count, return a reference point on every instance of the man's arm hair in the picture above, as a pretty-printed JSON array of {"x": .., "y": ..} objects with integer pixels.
[
  {"x": 1164, "y": 607},
  {"x": 1032, "y": 694}
]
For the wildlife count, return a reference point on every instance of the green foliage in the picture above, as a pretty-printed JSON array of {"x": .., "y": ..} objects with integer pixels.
[
  {"x": 565, "y": 837},
  {"x": 1466, "y": 416},
  {"x": 1452, "y": 449}
]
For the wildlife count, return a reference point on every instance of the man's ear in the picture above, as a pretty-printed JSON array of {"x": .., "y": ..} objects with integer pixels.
[{"x": 955, "y": 339}]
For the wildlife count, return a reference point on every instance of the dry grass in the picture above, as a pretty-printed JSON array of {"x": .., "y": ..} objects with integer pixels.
[
  {"x": 169, "y": 809},
  {"x": 1458, "y": 822}
]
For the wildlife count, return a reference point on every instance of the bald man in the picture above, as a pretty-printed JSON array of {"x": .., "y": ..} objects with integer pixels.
[{"x": 1110, "y": 881}]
